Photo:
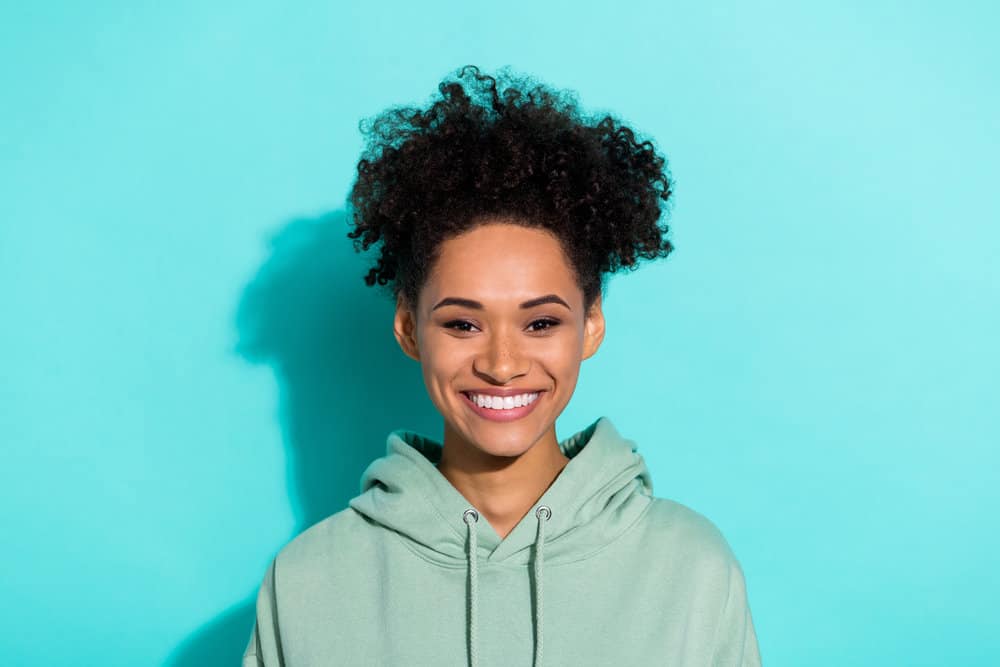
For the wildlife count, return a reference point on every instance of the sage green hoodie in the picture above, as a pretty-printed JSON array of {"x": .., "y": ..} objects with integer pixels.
[{"x": 599, "y": 573}]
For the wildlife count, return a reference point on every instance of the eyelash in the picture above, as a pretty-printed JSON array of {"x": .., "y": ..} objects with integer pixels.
[{"x": 547, "y": 320}]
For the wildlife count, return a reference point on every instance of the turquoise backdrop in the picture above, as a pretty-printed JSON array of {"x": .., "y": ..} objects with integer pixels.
[{"x": 193, "y": 371}]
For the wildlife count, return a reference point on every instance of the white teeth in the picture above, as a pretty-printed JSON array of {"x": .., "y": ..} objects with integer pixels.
[{"x": 503, "y": 402}]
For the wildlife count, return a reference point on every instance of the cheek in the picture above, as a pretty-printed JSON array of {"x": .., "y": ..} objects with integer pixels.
[
  {"x": 557, "y": 357},
  {"x": 568, "y": 370},
  {"x": 562, "y": 356},
  {"x": 441, "y": 362}
]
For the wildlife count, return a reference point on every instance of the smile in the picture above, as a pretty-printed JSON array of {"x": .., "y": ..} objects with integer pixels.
[
  {"x": 502, "y": 402},
  {"x": 501, "y": 408}
]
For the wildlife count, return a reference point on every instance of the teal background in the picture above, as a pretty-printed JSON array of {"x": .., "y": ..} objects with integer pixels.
[{"x": 193, "y": 371}]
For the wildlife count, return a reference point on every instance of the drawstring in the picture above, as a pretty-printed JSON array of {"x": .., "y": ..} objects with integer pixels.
[
  {"x": 539, "y": 543},
  {"x": 473, "y": 584},
  {"x": 470, "y": 517}
]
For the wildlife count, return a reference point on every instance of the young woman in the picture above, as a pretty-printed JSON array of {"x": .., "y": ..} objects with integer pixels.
[{"x": 498, "y": 212}]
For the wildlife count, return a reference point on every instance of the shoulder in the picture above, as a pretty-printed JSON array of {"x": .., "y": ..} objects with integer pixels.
[
  {"x": 690, "y": 550},
  {"x": 338, "y": 537},
  {"x": 689, "y": 535},
  {"x": 705, "y": 573}
]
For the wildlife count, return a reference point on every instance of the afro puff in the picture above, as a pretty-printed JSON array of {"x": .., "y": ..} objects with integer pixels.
[{"x": 512, "y": 149}]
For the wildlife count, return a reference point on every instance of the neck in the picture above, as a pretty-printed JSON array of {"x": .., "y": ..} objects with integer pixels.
[{"x": 502, "y": 488}]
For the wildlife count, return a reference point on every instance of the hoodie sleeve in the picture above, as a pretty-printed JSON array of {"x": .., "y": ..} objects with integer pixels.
[
  {"x": 735, "y": 638},
  {"x": 264, "y": 647}
]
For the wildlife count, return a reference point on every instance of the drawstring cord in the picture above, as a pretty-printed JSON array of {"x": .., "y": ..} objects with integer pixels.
[
  {"x": 539, "y": 543},
  {"x": 470, "y": 517},
  {"x": 473, "y": 583}
]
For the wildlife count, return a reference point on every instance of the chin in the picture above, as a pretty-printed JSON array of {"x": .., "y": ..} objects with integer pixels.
[{"x": 504, "y": 439}]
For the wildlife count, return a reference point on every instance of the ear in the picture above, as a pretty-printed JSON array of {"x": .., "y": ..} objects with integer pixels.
[
  {"x": 404, "y": 325},
  {"x": 593, "y": 329}
]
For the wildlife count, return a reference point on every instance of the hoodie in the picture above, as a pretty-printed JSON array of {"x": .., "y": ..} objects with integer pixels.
[{"x": 599, "y": 572}]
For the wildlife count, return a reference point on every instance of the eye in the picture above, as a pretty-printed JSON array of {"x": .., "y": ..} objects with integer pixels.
[
  {"x": 547, "y": 323},
  {"x": 459, "y": 325}
]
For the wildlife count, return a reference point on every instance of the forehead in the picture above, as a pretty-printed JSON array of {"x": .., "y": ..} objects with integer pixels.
[{"x": 502, "y": 262}]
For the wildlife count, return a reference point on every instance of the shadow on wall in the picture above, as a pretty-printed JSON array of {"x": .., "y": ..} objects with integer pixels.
[{"x": 344, "y": 384}]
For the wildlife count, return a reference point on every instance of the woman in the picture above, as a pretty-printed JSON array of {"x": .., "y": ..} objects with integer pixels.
[{"x": 498, "y": 212}]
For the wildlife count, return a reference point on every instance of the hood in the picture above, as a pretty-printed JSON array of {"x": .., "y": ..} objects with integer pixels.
[
  {"x": 594, "y": 498},
  {"x": 598, "y": 495}
]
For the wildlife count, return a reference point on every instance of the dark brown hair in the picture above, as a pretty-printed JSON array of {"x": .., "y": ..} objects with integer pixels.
[{"x": 508, "y": 148}]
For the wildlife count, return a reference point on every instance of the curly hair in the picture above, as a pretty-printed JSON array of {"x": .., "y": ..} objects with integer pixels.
[{"x": 517, "y": 151}]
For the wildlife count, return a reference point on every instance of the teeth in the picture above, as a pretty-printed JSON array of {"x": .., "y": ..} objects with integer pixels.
[{"x": 502, "y": 402}]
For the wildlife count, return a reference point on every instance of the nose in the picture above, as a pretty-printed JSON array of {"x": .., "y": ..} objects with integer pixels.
[{"x": 501, "y": 360}]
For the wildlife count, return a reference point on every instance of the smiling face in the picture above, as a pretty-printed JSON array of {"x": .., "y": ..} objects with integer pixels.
[{"x": 501, "y": 314}]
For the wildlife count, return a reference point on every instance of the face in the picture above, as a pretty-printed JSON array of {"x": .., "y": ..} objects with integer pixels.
[{"x": 500, "y": 314}]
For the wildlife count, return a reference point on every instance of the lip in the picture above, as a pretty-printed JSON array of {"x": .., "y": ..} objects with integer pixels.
[
  {"x": 503, "y": 415},
  {"x": 496, "y": 391}
]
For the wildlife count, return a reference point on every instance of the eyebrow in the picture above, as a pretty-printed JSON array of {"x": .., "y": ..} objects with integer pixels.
[{"x": 469, "y": 303}]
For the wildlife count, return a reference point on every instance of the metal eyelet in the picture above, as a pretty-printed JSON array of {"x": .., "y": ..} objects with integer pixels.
[
  {"x": 543, "y": 509},
  {"x": 470, "y": 512}
]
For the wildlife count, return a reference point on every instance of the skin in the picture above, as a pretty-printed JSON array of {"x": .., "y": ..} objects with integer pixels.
[{"x": 501, "y": 468}]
